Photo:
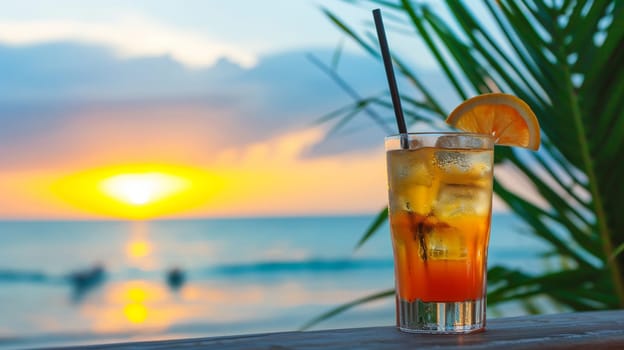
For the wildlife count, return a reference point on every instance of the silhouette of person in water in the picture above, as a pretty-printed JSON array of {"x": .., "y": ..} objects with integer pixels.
[
  {"x": 85, "y": 280},
  {"x": 175, "y": 278}
]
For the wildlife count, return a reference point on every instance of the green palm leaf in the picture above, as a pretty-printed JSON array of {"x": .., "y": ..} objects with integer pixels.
[
  {"x": 347, "y": 306},
  {"x": 376, "y": 225},
  {"x": 565, "y": 59}
]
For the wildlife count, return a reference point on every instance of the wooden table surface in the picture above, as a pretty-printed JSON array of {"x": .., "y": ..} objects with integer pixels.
[{"x": 582, "y": 330}]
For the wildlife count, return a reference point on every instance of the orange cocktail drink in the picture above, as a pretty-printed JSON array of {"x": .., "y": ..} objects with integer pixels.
[{"x": 440, "y": 199}]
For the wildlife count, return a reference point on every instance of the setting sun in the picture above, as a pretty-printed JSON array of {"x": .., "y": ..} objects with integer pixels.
[
  {"x": 138, "y": 191},
  {"x": 141, "y": 189}
]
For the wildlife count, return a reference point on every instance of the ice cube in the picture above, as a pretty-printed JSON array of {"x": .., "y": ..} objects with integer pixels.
[
  {"x": 420, "y": 198},
  {"x": 445, "y": 242},
  {"x": 460, "y": 142},
  {"x": 410, "y": 167},
  {"x": 462, "y": 199},
  {"x": 450, "y": 161},
  {"x": 414, "y": 143}
]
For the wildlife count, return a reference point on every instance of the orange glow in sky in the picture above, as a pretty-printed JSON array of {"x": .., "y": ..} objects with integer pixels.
[{"x": 267, "y": 178}]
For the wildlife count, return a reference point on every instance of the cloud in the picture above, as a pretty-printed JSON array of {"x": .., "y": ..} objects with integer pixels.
[
  {"x": 270, "y": 174},
  {"x": 130, "y": 36},
  {"x": 84, "y": 104}
]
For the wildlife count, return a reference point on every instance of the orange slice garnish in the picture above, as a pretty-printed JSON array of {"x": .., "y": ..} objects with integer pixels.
[{"x": 506, "y": 117}]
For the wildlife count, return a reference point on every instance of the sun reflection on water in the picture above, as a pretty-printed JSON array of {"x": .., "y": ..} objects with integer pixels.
[
  {"x": 135, "y": 313},
  {"x": 138, "y": 249},
  {"x": 134, "y": 304},
  {"x": 137, "y": 293},
  {"x": 149, "y": 307},
  {"x": 147, "y": 302},
  {"x": 137, "y": 298}
]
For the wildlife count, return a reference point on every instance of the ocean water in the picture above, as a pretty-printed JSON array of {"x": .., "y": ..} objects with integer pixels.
[{"x": 64, "y": 283}]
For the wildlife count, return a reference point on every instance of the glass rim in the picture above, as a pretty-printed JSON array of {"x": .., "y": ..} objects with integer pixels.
[{"x": 441, "y": 133}]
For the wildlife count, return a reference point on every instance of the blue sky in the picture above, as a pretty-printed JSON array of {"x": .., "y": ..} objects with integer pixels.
[{"x": 198, "y": 32}]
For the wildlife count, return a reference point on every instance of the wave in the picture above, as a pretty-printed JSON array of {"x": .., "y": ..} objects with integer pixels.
[
  {"x": 79, "y": 278},
  {"x": 25, "y": 276},
  {"x": 225, "y": 270},
  {"x": 311, "y": 265}
]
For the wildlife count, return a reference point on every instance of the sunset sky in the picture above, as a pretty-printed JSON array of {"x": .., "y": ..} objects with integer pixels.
[{"x": 149, "y": 109}]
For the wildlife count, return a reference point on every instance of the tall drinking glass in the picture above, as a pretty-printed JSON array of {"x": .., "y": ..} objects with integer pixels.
[{"x": 440, "y": 205}]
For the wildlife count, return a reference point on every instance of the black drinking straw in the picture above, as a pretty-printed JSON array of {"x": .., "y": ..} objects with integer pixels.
[{"x": 394, "y": 91}]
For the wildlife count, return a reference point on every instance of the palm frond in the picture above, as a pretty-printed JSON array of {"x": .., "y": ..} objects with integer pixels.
[
  {"x": 372, "y": 229},
  {"x": 362, "y": 103},
  {"x": 347, "y": 306},
  {"x": 564, "y": 59}
]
